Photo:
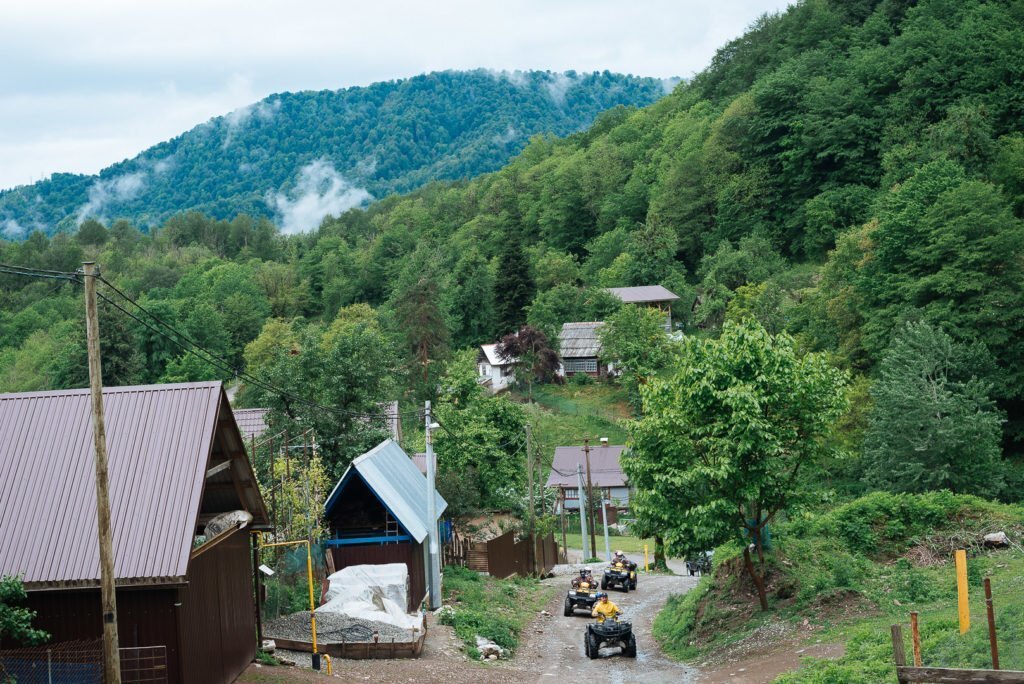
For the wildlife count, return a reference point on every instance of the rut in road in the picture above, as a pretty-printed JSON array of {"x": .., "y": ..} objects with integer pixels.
[{"x": 554, "y": 646}]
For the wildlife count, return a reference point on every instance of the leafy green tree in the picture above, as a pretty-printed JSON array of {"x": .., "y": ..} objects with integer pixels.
[
  {"x": 121, "y": 360},
  {"x": 933, "y": 425},
  {"x": 349, "y": 368},
  {"x": 752, "y": 261},
  {"x": 15, "y": 621},
  {"x": 634, "y": 340},
  {"x": 91, "y": 232},
  {"x": 423, "y": 326},
  {"x": 726, "y": 439},
  {"x": 470, "y": 301}
]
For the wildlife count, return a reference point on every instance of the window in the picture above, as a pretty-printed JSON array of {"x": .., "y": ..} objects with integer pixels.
[
  {"x": 572, "y": 492},
  {"x": 580, "y": 365}
]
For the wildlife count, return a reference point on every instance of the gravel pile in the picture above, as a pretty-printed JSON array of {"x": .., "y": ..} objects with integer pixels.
[{"x": 335, "y": 628}]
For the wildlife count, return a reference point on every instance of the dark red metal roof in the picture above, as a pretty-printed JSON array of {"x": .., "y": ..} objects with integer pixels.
[
  {"x": 159, "y": 441},
  {"x": 605, "y": 470}
]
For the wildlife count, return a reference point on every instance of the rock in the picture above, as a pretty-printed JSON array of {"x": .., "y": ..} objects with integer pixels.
[
  {"x": 545, "y": 613},
  {"x": 488, "y": 649},
  {"x": 997, "y": 540},
  {"x": 268, "y": 646}
]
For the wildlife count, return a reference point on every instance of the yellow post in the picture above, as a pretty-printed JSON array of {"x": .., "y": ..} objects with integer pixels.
[
  {"x": 961, "y": 591},
  {"x": 312, "y": 605},
  {"x": 645, "y": 557}
]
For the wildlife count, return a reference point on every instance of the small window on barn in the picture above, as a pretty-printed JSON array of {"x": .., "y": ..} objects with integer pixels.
[{"x": 581, "y": 365}]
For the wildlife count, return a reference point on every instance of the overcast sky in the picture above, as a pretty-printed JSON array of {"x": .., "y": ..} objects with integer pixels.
[{"x": 86, "y": 83}]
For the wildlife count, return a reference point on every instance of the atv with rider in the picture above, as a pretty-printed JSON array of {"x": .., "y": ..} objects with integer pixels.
[
  {"x": 621, "y": 572},
  {"x": 582, "y": 593},
  {"x": 609, "y": 630}
]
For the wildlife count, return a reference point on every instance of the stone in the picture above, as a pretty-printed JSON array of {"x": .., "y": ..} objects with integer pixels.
[{"x": 997, "y": 540}]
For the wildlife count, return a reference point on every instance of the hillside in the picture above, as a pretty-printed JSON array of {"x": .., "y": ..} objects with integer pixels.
[
  {"x": 841, "y": 170},
  {"x": 297, "y": 156}
]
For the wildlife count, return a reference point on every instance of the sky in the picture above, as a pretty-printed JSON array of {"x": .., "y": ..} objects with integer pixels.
[{"x": 86, "y": 84}]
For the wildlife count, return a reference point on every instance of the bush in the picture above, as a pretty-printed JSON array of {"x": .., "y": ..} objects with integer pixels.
[{"x": 580, "y": 380}]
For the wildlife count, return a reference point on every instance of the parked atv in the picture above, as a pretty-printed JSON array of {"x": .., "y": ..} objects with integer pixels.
[
  {"x": 612, "y": 632},
  {"x": 620, "y": 573},
  {"x": 700, "y": 564},
  {"x": 582, "y": 595}
]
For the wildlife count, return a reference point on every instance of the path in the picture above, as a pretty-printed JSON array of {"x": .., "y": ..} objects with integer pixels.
[{"x": 553, "y": 648}]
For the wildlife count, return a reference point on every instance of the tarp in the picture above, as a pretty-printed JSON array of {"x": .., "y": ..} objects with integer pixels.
[{"x": 372, "y": 592}]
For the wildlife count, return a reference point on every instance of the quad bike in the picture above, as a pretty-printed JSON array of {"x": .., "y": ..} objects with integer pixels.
[
  {"x": 700, "y": 565},
  {"x": 620, "y": 573},
  {"x": 581, "y": 594},
  {"x": 610, "y": 632}
]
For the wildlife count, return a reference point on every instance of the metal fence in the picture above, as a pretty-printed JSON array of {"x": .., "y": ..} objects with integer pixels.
[{"x": 80, "y": 662}]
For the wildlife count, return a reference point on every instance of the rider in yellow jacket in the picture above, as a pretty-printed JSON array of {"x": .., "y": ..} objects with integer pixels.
[{"x": 604, "y": 608}]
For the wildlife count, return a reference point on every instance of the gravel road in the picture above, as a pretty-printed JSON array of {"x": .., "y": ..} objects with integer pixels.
[{"x": 553, "y": 648}]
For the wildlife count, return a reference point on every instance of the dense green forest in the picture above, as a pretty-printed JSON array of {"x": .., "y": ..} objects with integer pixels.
[
  {"x": 851, "y": 173},
  {"x": 346, "y": 146}
]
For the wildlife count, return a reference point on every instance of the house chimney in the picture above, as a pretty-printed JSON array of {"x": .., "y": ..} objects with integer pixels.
[{"x": 604, "y": 441}]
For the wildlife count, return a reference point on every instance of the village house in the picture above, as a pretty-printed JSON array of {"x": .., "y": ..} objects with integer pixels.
[
  {"x": 494, "y": 371},
  {"x": 606, "y": 475},
  {"x": 185, "y": 597},
  {"x": 652, "y": 296},
  {"x": 580, "y": 350},
  {"x": 377, "y": 513}
]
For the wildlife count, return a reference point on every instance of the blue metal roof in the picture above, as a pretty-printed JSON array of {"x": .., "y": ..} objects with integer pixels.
[{"x": 390, "y": 474}]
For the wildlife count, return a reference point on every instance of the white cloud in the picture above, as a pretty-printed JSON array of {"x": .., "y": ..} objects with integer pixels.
[
  {"x": 321, "y": 191},
  {"x": 11, "y": 229},
  {"x": 558, "y": 85},
  {"x": 507, "y": 137},
  {"x": 104, "y": 192},
  {"x": 98, "y": 82},
  {"x": 239, "y": 118}
]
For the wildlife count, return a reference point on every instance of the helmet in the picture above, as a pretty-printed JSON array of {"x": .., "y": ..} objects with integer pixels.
[
  {"x": 584, "y": 573},
  {"x": 619, "y": 553},
  {"x": 602, "y": 594}
]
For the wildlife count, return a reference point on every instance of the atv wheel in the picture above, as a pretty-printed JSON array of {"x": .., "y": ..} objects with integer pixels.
[
  {"x": 625, "y": 586},
  {"x": 604, "y": 583},
  {"x": 568, "y": 608},
  {"x": 629, "y": 650},
  {"x": 593, "y": 646},
  {"x": 634, "y": 584},
  {"x": 586, "y": 644}
]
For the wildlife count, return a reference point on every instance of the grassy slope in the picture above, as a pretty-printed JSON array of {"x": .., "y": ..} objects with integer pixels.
[
  {"x": 492, "y": 608},
  {"x": 853, "y": 572},
  {"x": 564, "y": 414}
]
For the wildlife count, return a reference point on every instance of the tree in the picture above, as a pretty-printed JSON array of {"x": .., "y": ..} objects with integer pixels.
[
  {"x": 16, "y": 622},
  {"x": 531, "y": 353},
  {"x": 470, "y": 301},
  {"x": 422, "y": 324},
  {"x": 634, "y": 340},
  {"x": 725, "y": 439},
  {"x": 513, "y": 288},
  {"x": 933, "y": 425}
]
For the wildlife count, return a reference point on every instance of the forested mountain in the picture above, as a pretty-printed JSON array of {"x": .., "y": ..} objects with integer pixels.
[
  {"x": 295, "y": 156},
  {"x": 849, "y": 172}
]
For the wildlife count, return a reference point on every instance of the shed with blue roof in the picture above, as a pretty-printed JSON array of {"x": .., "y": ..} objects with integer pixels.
[{"x": 377, "y": 513}]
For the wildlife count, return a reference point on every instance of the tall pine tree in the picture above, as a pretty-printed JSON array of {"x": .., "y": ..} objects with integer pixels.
[{"x": 514, "y": 288}]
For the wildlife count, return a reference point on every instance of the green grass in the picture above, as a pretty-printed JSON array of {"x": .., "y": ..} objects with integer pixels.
[
  {"x": 630, "y": 545},
  {"x": 563, "y": 415},
  {"x": 492, "y": 608}
]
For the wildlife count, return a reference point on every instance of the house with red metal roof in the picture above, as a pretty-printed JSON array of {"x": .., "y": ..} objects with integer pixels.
[
  {"x": 606, "y": 474},
  {"x": 176, "y": 462}
]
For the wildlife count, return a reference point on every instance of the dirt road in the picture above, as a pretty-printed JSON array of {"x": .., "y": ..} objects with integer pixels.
[{"x": 553, "y": 648}]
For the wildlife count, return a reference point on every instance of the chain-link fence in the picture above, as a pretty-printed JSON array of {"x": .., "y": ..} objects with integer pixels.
[{"x": 80, "y": 662}]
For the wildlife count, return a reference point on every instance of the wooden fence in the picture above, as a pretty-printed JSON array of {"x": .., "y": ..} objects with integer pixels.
[{"x": 504, "y": 556}]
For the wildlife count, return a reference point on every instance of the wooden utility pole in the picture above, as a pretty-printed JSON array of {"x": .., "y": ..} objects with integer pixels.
[
  {"x": 108, "y": 597},
  {"x": 531, "y": 549},
  {"x": 590, "y": 499}
]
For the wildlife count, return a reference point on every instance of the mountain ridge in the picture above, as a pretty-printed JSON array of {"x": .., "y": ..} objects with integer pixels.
[{"x": 348, "y": 146}]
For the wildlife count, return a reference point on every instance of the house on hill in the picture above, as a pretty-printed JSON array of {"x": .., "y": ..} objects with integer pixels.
[
  {"x": 252, "y": 422},
  {"x": 605, "y": 473},
  {"x": 652, "y": 296},
  {"x": 377, "y": 513},
  {"x": 176, "y": 461},
  {"x": 493, "y": 370},
  {"x": 579, "y": 349}
]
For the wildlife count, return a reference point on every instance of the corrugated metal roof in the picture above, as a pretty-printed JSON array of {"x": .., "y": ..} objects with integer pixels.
[
  {"x": 605, "y": 470},
  {"x": 643, "y": 294},
  {"x": 251, "y": 422},
  {"x": 579, "y": 340},
  {"x": 397, "y": 482},
  {"x": 159, "y": 441}
]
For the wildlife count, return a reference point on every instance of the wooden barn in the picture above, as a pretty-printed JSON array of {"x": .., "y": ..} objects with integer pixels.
[
  {"x": 377, "y": 513},
  {"x": 176, "y": 459}
]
